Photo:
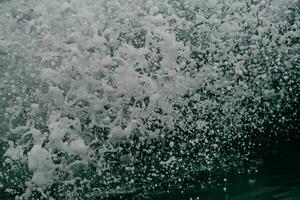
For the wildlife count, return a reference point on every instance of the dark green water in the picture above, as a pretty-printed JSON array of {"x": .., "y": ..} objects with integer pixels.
[{"x": 277, "y": 179}]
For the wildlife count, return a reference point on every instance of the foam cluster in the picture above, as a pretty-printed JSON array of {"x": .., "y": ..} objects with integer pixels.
[{"x": 106, "y": 97}]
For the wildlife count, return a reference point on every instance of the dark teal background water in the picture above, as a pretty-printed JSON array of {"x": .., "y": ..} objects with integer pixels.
[{"x": 277, "y": 179}]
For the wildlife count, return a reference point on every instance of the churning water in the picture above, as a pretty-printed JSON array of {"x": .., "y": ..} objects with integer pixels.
[{"x": 149, "y": 99}]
